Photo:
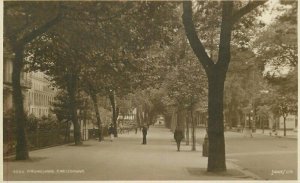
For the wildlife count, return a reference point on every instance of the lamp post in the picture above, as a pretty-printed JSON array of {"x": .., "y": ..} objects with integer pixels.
[
  {"x": 193, "y": 127},
  {"x": 262, "y": 93},
  {"x": 252, "y": 121}
]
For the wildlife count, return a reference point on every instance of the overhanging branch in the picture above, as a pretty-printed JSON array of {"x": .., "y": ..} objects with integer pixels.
[
  {"x": 192, "y": 36},
  {"x": 246, "y": 9},
  {"x": 42, "y": 29},
  {"x": 225, "y": 35}
]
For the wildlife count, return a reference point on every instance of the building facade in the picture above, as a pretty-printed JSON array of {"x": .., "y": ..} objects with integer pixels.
[
  {"x": 291, "y": 123},
  {"x": 40, "y": 95},
  {"x": 7, "y": 87},
  {"x": 37, "y": 94}
]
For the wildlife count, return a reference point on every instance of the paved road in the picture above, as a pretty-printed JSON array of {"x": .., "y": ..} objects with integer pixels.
[
  {"x": 271, "y": 158},
  {"x": 127, "y": 159}
]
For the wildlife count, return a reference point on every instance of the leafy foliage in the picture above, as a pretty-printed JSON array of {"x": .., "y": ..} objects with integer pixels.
[{"x": 277, "y": 45}]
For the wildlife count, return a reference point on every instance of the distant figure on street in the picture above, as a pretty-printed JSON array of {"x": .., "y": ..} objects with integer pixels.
[
  {"x": 136, "y": 129},
  {"x": 250, "y": 128},
  {"x": 144, "y": 135},
  {"x": 178, "y": 136},
  {"x": 111, "y": 131}
]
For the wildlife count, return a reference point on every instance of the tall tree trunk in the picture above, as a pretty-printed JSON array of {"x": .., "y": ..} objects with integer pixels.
[
  {"x": 138, "y": 117},
  {"x": 72, "y": 90},
  {"x": 67, "y": 132},
  {"x": 18, "y": 48},
  {"x": 151, "y": 118},
  {"x": 238, "y": 114},
  {"x": 85, "y": 121},
  {"x": 114, "y": 113},
  {"x": 168, "y": 121},
  {"x": 181, "y": 120},
  {"x": 216, "y": 73},
  {"x": 284, "y": 126},
  {"x": 263, "y": 125},
  {"x": 146, "y": 115},
  {"x": 193, "y": 132},
  {"x": 187, "y": 138},
  {"x": 254, "y": 119},
  {"x": 259, "y": 121},
  {"x": 216, "y": 155},
  {"x": 94, "y": 99},
  {"x": 145, "y": 121},
  {"x": 19, "y": 117}
]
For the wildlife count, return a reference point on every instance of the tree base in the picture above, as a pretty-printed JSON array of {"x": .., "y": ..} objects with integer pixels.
[
  {"x": 78, "y": 143},
  {"x": 216, "y": 170},
  {"x": 22, "y": 156}
]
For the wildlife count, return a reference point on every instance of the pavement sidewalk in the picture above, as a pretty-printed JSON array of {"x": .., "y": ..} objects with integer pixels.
[
  {"x": 123, "y": 159},
  {"x": 291, "y": 134},
  {"x": 280, "y": 134}
]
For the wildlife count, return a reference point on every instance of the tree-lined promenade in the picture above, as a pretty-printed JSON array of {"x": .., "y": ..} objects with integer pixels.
[
  {"x": 167, "y": 59},
  {"x": 126, "y": 159}
]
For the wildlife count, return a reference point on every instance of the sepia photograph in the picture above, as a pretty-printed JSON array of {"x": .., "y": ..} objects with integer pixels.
[{"x": 150, "y": 90}]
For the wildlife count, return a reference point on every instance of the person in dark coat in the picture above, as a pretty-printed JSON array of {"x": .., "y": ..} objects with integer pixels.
[
  {"x": 178, "y": 136},
  {"x": 144, "y": 135},
  {"x": 111, "y": 131}
]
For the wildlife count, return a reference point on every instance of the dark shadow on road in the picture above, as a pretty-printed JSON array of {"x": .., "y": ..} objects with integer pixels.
[
  {"x": 82, "y": 145},
  {"x": 31, "y": 159},
  {"x": 229, "y": 173}
]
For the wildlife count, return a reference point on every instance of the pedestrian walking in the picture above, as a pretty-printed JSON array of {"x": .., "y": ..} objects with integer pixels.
[
  {"x": 251, "y": 129},
  {"x": 144, "y": 134},
  {"x": 178, "y": 136},
  {"x": 111, "y": 131}
]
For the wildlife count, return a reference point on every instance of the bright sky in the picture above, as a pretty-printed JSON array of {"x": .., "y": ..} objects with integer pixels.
[{"x": 273, "y": 10}]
